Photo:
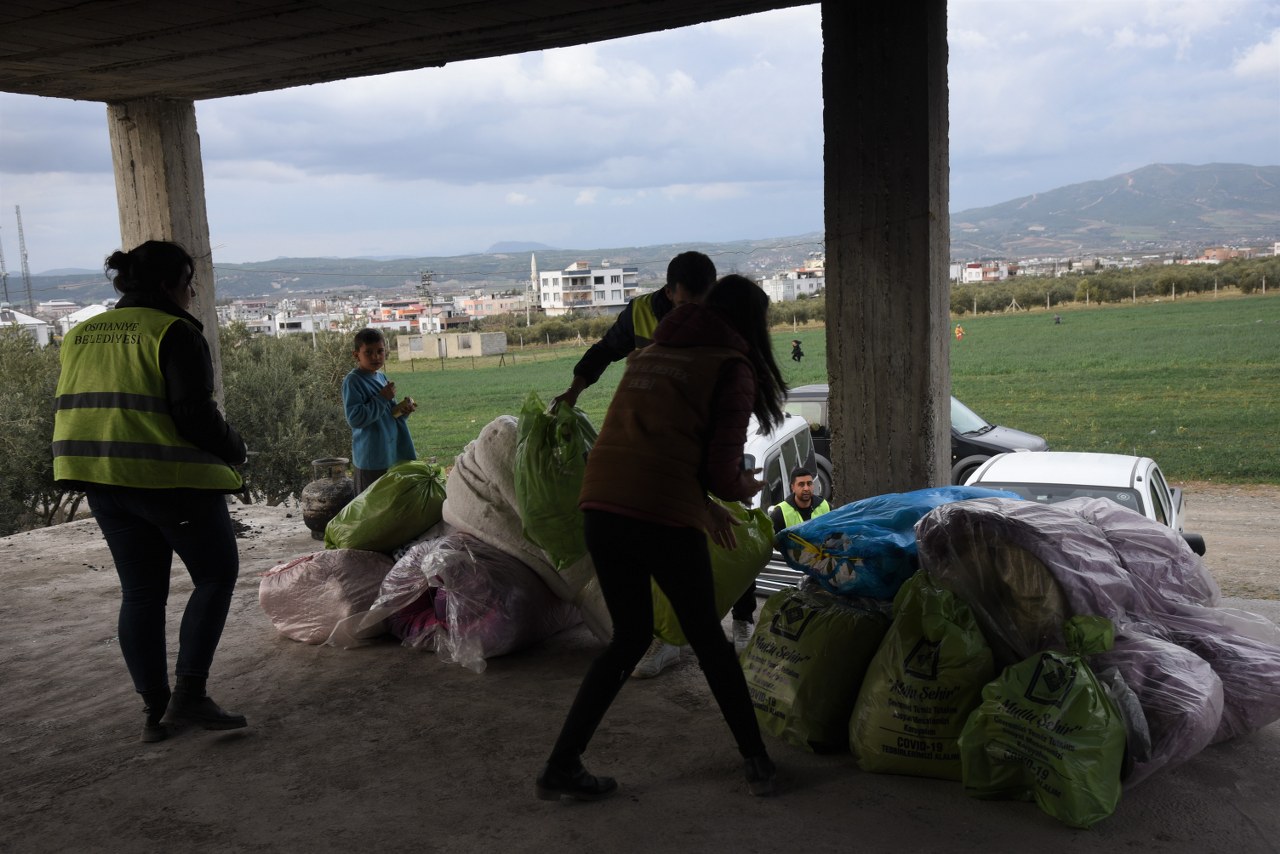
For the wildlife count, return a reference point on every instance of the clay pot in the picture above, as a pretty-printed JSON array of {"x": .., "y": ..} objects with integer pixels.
[{"x": 325, "y": 496}]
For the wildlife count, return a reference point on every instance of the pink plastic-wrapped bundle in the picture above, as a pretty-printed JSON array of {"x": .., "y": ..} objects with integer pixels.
[
  {"x": 488, "y": 602},
  {"x": 1180, "y": 696},
  {"x": 308, "y": 596}
]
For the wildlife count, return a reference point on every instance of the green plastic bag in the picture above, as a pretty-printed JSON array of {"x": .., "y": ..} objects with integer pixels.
[
  {"x": 397, "y": 507},
  {"x": 925, "y": 679},
  {"x": 1047, "y": 730},
  {"x": 551, "y": 457},
  {"x": 733, "y": 570},
  {"x": 805, "y": 663}
]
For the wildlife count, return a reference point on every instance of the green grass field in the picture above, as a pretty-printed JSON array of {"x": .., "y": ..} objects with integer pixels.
[{"x": 1195, "y": 383}]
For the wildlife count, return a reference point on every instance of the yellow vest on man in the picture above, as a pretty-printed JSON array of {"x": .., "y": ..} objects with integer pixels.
[
  {"x": 112, "y": 423},
  {"x": 643, "y": 320},
  {"x": 791, "y": 516}
]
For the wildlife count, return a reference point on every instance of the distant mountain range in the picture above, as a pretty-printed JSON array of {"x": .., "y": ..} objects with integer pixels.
[
  {"x": 1158, "y": 208},
  {"x": 1155, "y": 208}
]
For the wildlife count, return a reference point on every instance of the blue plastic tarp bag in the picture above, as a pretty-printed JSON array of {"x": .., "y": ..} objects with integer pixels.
[{"x": 868, "y": 547}]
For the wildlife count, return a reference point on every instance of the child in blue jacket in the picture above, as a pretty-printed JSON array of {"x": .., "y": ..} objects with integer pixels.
[{"x": 379, "y": 435}]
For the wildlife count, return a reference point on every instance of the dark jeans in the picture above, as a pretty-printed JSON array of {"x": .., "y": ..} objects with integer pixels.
[
  {"x": 364, "y": 478},
  {"x": 745, "y": 607},
  {"x": 143, "y": 529},
  {"x": 627, "y": 552}
]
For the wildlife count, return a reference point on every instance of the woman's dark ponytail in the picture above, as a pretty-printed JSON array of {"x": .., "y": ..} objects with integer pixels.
[{"x": 745, "y": 306}]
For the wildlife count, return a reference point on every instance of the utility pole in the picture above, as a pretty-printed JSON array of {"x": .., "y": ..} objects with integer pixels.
[
  {"x": 22, "y": 253},
  {"x": 424, "y": 286},
  {"x": 530, "y": 291}
]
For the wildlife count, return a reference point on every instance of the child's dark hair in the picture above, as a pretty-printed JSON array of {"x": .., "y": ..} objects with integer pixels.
[
  {"x": 154, "y": 267},
  {"x": 368, "y": 336},
  {"x": 695, "y": 271},
  {"x": 745, "y": 306}
]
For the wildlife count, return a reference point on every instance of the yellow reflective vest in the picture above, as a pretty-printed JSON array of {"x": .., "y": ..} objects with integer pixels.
[
  {"x": 791, "y": 516},
  {"x": 112, "y": 423},
  {"x": 643, "y": 320}
]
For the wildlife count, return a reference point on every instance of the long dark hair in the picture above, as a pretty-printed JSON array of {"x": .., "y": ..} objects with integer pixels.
[
  {"x": 155, "y": 268},
  {"x": 745, "y": 307}
]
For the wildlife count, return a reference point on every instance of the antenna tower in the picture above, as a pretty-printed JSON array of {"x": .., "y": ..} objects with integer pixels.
[
  {"x": 4, "y": 274},
  {"x": 22, "y": 253}
]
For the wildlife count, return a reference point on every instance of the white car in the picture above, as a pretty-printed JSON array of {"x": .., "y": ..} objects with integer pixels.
[
  {"x": 1052, "y": 476},
  {"x": 777, "y": 453}
]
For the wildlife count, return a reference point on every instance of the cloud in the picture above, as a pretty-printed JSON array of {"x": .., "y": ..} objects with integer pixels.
[
  {"x": 1261, "y": 60},
  {"x": 699, "y": 133},
  {"x": 1126, "y": 37}
]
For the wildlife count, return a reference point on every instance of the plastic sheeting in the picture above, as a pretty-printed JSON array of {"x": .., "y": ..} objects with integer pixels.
[
  {"x": 1202, "y": 673},
  {"x": 868, "y": 547},
  {"x": 485, "y": 603},
  {"x": 308, "y": 596},
  {"x": 481, "y": 501}
]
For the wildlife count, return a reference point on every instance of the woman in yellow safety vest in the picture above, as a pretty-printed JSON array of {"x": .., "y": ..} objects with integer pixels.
[{"x": 137, "y": 428}]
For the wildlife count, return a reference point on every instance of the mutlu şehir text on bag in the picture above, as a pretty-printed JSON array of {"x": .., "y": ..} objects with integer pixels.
[
  {"x": 925, "y": 679},
  {"x": 1047, "y": 730},
  {"x": 805, "y": 662}
]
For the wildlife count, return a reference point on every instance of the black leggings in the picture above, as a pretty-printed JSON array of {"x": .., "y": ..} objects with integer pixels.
[
  {"x": 144, "y": 528},
  {"x": 627, "y": 552}
]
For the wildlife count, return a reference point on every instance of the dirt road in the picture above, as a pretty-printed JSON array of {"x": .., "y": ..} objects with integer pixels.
[
  {"x": 1241, "y": 528},
  {"x": 385, "y": 748}
]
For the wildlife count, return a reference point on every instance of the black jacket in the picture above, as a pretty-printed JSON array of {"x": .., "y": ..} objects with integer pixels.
[{"x": 619, "y": 341}]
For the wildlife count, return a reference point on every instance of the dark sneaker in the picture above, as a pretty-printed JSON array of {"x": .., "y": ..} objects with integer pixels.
[
  {"x": 155, "y": 704},
  {"x": 202, "y": 712},
  {"x": 153, "y": 732},
  {"x": 579, "y": 785},
  {"x": 761, "y": 775}
]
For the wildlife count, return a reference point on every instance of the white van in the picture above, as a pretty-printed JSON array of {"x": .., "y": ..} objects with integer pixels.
[{"x": 777, "y": 453}]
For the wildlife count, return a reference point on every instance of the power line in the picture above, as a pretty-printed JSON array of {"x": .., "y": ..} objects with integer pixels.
[{"x": 412, "y": 278}]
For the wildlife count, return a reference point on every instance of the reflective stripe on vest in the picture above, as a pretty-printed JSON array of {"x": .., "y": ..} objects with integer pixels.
[
  {"x": 112, "y": 423},
  {"x": 791, "y": 516},
  {"x": 643, "y": 321}
]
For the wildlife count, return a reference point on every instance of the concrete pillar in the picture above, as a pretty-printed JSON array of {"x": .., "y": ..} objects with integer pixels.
[
  {"x": 160, "y": 193},
  {"x": 884, "y": 86}
]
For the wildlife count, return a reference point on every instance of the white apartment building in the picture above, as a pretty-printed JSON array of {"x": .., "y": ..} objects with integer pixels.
[
  {"x": 793, "y": 284},
  {"x": 581, "y": 287}
]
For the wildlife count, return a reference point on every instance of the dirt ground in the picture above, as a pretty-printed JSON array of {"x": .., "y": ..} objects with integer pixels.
[{"x": 388, "y": 748}]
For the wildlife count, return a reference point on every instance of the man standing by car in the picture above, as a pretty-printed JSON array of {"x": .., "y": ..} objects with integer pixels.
[
  {"x": 689, "y": 276},
  {"x": 798, "y": 507}
]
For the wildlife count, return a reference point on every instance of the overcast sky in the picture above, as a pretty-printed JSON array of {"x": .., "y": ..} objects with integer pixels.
[{"x": 708, "y": 133}]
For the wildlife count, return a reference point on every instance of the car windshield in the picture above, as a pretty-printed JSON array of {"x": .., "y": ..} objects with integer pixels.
[
  {"x": 1052, "y": 493},
  {"x": 965, "y": 420}
]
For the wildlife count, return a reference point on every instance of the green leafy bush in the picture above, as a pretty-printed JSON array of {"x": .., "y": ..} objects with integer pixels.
[
  {"x": 28, "y": 379},
  {"x": 284, "y": 395}
]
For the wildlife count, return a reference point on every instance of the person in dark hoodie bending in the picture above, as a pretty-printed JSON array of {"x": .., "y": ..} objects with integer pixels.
[
  {"x": 689, "y": 275},
  {"x": 674, "y": 431}
]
